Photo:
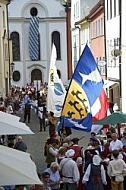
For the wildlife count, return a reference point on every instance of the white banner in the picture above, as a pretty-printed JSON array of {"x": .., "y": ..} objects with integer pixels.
[{"x": 56, "y": 90}]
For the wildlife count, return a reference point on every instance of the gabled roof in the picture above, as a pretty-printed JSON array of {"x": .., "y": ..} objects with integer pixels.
[{"x": 97, "y": 7}]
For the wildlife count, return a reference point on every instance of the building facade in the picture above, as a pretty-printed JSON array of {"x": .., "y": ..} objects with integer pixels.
[
  {"x": 80, "y": 27},
  {"x": 33, "y": 26},
  {"x": 5, "y": 58},
  {"x": 113, "y": 39}
]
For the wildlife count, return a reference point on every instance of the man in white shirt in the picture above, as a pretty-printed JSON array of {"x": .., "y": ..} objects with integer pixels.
[
  {"x": 115, "y": 170},
  {"x": 69, "y": 170},
  {"x": 116, "y": 144}
]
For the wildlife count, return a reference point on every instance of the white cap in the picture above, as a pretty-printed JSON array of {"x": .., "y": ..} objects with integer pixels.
[
  {"x": 70, "y": 153},
  {"x": 96, "y": 160}
]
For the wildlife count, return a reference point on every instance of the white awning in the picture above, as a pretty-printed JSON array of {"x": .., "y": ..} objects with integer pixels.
[{"x": 109, "y": 83}]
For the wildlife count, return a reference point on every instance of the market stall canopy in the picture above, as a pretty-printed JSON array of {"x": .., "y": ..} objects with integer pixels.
[
  {"x": 10, "y": 124},
  {"x": 114, "y": 118},
  {"x": 16, "y": 168}
]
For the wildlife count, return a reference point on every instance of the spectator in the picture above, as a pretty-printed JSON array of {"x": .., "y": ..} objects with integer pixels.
[
  {"x": 54, "y": 176},
  {"x": 20, "y": 145},
  {"x": 45, "y": 180},
  {"x": 115, "y": 169}
]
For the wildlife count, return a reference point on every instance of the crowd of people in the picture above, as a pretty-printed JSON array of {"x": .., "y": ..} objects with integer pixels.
[{"x": 101, "y": 166}]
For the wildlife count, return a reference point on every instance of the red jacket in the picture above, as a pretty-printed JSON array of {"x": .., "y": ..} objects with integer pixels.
[{"x": 78, "y": 152}]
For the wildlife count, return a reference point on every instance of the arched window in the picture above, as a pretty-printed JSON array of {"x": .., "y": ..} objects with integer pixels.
[
  {"x": 14, "y": 36},
  {"x": 56, "y": 41},
  {"x": 33, "y": 11},
  {"x": 16, "y": 76}
]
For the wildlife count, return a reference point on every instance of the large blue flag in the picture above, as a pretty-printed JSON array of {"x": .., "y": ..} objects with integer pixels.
[{"x": 86, "y": 98}]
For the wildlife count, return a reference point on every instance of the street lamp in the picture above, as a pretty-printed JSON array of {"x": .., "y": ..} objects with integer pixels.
[{"x": 67, "y": 5}]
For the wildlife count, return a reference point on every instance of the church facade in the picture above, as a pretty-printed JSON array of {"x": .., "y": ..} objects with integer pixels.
[{"x": 34, "y": 25}]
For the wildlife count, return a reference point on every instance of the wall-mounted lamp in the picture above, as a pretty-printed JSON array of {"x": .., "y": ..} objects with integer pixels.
[
  {"x": 12, "y": 66},
  {"x": 66, "y": 4}
]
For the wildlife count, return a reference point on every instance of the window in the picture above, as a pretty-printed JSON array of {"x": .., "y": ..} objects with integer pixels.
[
  {"x": 56, "y": 41},
  {"x": 77, "y": 10},
  {"x": 107, "y": 10},
  {"x": 14, "y": 36},
  {"x": 98, "y": 28},
  {"x": 3, "y": 19},
  {"x": 110, "y": 9},
  {"x": 102, "y": 27},
  {"x": 95, "y": 28},
  {"x": 33, "y": 11},
  {"x": 118, "y": 4},
  {"x": 74, "y": 13},
  {"x": 115, "y": 8},
  {"x": 16, "y": 76}
]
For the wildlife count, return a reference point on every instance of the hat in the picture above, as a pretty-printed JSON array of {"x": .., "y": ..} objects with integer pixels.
[
  {"x": 79, "y": 160},
  {"x": 96, "y": 160},
  {"x": 94, "y": 139},
  {"x": 75, "y": 139},
  {"x": 70, "y": 153}
]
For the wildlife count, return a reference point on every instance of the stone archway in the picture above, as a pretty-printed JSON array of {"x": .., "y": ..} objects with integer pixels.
[{"x": 36, "y": 74}]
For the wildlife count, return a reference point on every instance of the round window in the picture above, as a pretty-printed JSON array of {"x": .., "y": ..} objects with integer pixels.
[
  {"x": 33, "y": 11},
  {"x": 16, "y": 76}
]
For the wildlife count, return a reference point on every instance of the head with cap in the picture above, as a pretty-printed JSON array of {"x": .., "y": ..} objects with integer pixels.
[
  {"x": 70, "y": 153},
  {"x": 94, "y": 141},
  {"x": 75, "y": 140},
  {"x": 79, "y": 160},
  {"x": 96, "y": 160}
]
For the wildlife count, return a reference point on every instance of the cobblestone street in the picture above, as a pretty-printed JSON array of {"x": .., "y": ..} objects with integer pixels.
[{"x": 35, "y": 142}]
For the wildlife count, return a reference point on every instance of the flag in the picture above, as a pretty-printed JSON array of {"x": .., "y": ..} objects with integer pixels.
[
  {"x": 34, "y": 38},
  {"x": 56, "y": 90},
  {"x": 24, "y": 100},
  {"x": 86, "y": 100}
]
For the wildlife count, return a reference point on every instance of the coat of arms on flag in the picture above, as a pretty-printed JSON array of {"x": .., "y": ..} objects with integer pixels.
[{"x": 86, "y": 100}]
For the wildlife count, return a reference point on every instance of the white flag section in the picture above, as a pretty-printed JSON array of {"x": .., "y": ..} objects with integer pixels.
[{"x": 56, "y": 90}]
